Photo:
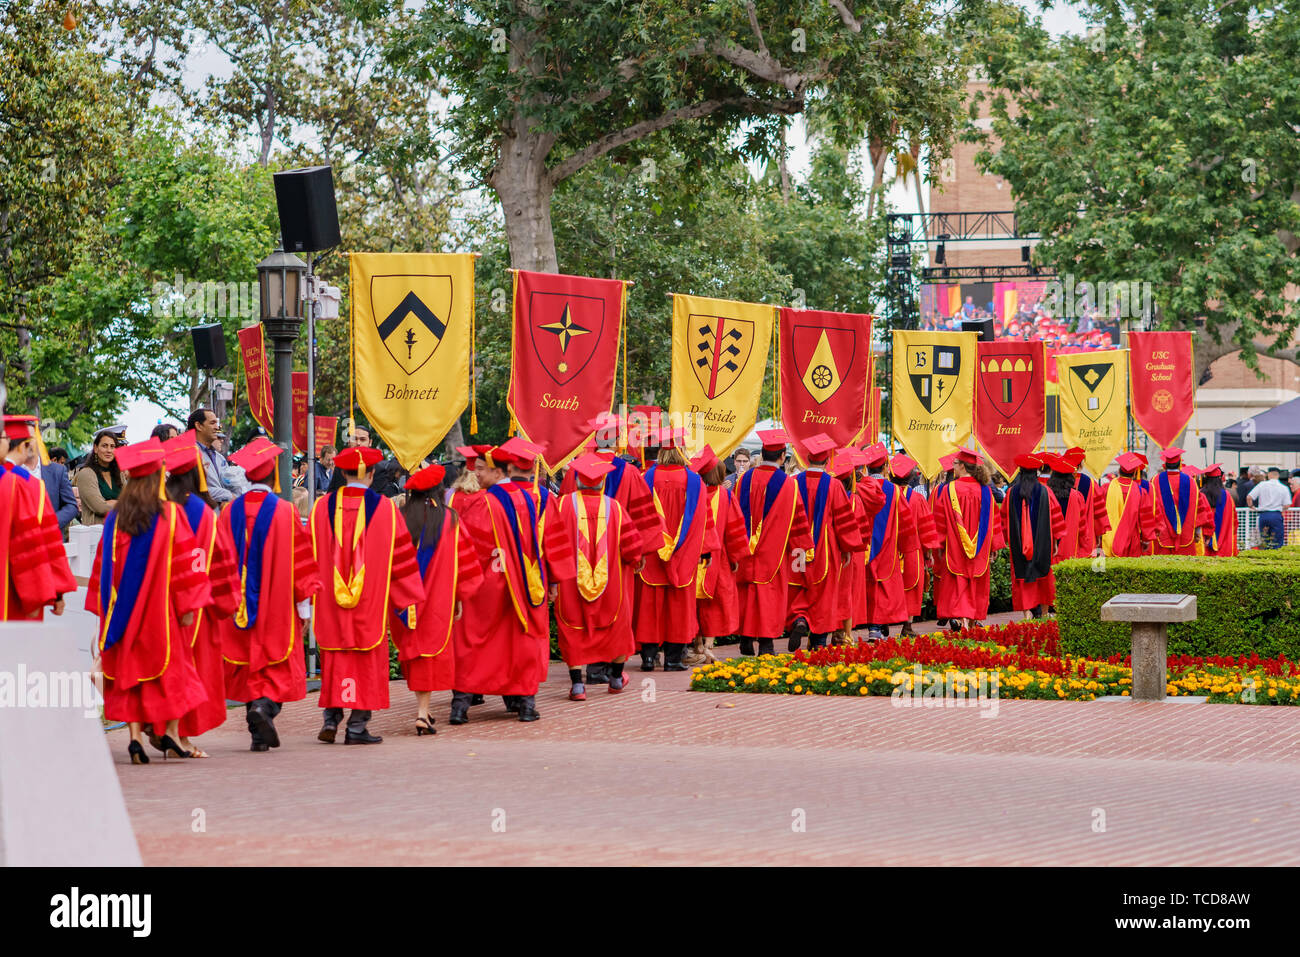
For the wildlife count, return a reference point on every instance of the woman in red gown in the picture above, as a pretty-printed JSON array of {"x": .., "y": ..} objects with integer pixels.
[
  {"x": 145, "y": 589},
  {"x": 450, "y": 570},
  {"x": 187, "y": 487},
  {"x": 1223, "y": 539},
  {"x": 717, "y": 600}
]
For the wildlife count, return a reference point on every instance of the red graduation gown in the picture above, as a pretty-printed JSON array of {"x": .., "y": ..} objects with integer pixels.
[
  {"x": 1125, "y": 499},
  {"x": 665, "y": 605},
  {"x": 595, "y": 625},
  {"x": 214, "y": 554},
  {"x": 1026, "y": 594},
  {"x": 766, "y": 573},
  {"x": 1222, "y": 539},
  {"x": 505, "y": 645},
  {"x": 892, "y": 533},
  {"x": 148, "y": 674},
  {"x": 28, "y": 586},
  {"x": 814, "y": 592},
  {"x": 962, "y": 590},
  {"x": 48, "y": 539},
  {"x": 717, "y": 596},
  {"x": 1098, "y": 520},
  {"x": 427, "y": 651},
  {"x": 913, "y": 557},
  {"x": 266, "y": 660},
  {"x": 1178, "y": 538},
  {"x": 1077, "y": 538},
  {"x": 354, "y": 641}
]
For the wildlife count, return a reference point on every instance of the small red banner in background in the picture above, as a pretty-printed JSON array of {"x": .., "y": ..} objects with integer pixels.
[
  {"x": 300, "y": 413},
  {"x": 1010, "y": 399},
  {"x": 1160, "y": 377},
  {"x": 252, "y": 347}
]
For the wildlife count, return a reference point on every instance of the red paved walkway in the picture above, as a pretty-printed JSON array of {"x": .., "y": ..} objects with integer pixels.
[{"x": 660, "y": 775}]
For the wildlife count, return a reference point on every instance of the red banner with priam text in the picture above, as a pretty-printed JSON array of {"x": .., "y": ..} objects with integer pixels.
[
  {"x": 564, "y": 358},
  {"x": 1010, "y": 400},
  {"x": 1163, "y": 393},
  {"x": 257, "y": 376},
  {"x": 299, "y": 413},
  {"x": 825, "y": 375}
]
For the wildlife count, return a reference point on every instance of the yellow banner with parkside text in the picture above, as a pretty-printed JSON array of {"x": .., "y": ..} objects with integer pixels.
[
  {"x": 933, "y": 393},
  {"x": 1093, "y": 396},
  {"x": 720, "y": 352},
  {"x": 412, "y": 325}
]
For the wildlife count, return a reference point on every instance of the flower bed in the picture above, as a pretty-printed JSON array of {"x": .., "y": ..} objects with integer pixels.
[{"x": 1021, "y": 660}]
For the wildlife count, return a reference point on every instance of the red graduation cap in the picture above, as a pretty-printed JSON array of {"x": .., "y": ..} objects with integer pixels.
[
  {"x": 875, "y": 455},
  {"x": 1029, "y": 461},
  {"x": 520, "y": 451},
  {"x": 706, "y": 460},
  {"x": 1057, "y": 463},
  {"x": 841, "y": 464},
  {"x": 1213, "y": 470},
  {"x": 1075, "y": 456},
  {"x": 946, "y": 462},
  {"x": 259, "y": 457},
  {"x": 901, "y": 466},
  {"x": 591, "y": 467},
  {"x": 819, "y": 445},
  {"x": 471, "y": 453},
  {"x": 1171, "y": 454},
  {"x": 774, "y": 440},
  {"x": 358, "y": 459},
  {"x": 20, "y": 427},
  {"x": 142, "y": 458},
  {"x": 1192, "y": 470},
  {"x": 426, "y": 478},
  {"x": 1129, "y": 461},
  {"x": 182, "y": 453},
  {"x": 968, "y": 456},
  {"x": 1142, "y": 458}
]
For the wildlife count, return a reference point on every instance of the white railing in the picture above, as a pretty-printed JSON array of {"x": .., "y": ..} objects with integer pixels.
[{"x": 1248, "y": 527}]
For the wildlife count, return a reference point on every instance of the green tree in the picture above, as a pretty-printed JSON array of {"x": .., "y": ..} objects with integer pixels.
[
  {"x": 543, "y": 89},
  {"x": 1161, "y": 147}
]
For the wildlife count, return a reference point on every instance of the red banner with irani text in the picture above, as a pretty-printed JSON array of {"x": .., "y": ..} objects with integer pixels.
[
  {"x": 564, "y": 356},
  {"x": 1010, "y": 399},
  {"x": 1160, "y": 373},
  {"x": 825, "y": 375}
]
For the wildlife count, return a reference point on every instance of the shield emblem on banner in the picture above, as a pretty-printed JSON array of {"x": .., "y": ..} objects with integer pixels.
[
  {"x": 412, "y": 314},
  {"x": 719, "y": 349},
  {"x": 933, "y": 371},
  {"x": 1006, "y": 381},
  {"x": 822, "y": 358},
  {"x": 565, "y": 330},
  {"x": 1093, "y": 387}
]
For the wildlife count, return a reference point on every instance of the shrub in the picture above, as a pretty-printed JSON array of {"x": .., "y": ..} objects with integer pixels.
[{"x": 1248, "y": 605}]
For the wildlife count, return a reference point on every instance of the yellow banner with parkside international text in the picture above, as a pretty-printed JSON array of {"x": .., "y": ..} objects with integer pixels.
[
  {"x": 412, "y": 325},
  {"x": 933, "y": 393},
  {"x": 1093, "y": 396},
  {"x": 719, "y": 362}
]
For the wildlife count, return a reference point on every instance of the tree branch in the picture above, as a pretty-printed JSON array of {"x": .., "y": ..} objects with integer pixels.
[
  {"x": 753, "y": 25},
  {"x": 846, "y": 17},
  {"x": 636, "y": 131}
]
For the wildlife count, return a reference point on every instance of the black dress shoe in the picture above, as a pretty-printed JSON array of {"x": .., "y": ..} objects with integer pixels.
[
  {"x": 458, "y": 716},
  {"x": 361, "y": 737},
  {"x": 598, "y": 673},
  {"x": 327, "y": 733},
  {"x": 798, "y": 632},
  {"x": 649, "y": 654},
  {"x": 264, "y": 726},
  {"x": 259, "y": 746},
  {"x": 527, "y": 711},
  {"x": 477, "y": 699},
  {"x": 512, "y": 703}
]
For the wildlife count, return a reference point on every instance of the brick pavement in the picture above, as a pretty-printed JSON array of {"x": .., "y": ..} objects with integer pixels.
[{"x": 663, "y": 776}]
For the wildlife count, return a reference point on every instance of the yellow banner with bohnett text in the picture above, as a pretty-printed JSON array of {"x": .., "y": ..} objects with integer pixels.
[
  {"x": 412, "y": 325},
  {"x": 719, "y": 362},
  {"x": 933, "y": 393},
  {"x": 1093, "y": 393}
]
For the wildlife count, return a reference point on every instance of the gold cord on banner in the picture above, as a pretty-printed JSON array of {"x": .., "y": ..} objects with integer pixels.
[
  {"x": 622, "y": 328},
  {"x": 473, "y": 373},
  {"x": 514, "y": 295},
  {"x": 234, "y": 406},
  {"x": 352, "y": 344},
  {"x": 776, "y": 360}
]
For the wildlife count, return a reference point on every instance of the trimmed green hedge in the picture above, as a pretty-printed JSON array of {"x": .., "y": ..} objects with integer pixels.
[{"x": 1245, "y": 605}]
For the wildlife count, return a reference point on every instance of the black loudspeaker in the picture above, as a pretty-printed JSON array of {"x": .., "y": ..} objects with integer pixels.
[
  {"x": 983, "y": 326},
  {"x": 309, "y": 219},
  {"x": 209, "y": 346}
]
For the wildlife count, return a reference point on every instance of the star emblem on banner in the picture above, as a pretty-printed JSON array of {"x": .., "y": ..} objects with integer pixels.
[{"x": 566, "y": 330}]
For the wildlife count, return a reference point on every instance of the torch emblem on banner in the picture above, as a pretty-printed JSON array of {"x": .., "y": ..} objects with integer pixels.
[{"x": 407, "y": 311}]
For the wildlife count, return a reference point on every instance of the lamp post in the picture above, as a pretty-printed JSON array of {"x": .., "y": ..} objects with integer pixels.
[{"x": 280, "y": 276}]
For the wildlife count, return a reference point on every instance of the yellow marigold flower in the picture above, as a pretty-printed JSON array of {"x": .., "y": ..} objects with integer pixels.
[{"x": 863, "y": 690}]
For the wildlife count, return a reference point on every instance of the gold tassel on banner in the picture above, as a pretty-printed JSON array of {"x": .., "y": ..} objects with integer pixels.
[
  {"x": 776, "y": 360},
  {"x": 473, "y": 370},
  {"x": 622, "y": 419},
  {"x": 234, "y": 405},
  {"x": 352, "y": 342}
]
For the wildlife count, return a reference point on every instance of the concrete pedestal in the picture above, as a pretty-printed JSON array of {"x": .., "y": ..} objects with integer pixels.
[
  {"x": 60, "y": 801},
  {"x": 1150, "y": 655}
]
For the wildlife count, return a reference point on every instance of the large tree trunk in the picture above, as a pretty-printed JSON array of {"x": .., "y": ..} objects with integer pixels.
[{"x": 524, "y": 187}]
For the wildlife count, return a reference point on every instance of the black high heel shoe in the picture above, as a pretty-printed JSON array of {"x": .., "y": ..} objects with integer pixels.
[
  {"x": 136, "y": 753},
  {"x": 169, "y": 745},
  {"x": 424, "y": 726}
]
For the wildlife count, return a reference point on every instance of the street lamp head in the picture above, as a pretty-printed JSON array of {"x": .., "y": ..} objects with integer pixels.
[{"x": 280, "y": 278}]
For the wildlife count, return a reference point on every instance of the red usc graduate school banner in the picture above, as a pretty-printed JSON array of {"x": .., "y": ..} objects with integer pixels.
[
  {"x": 300, "y": 413},
  {"x": 564, "y": 355},
  {"x": 252, "y": 347},
  {"x": 825, "y": 373},
  {"x": 1160, "y": 377},
  {"x": 1010, "y": 399}
]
